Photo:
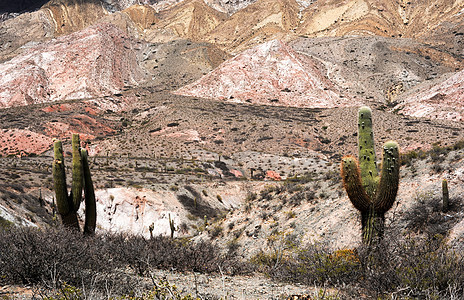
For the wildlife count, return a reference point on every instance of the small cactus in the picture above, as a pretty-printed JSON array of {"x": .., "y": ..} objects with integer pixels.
[
  {"x": 68, "y": 204},
  {"x": 444, "y": 186},
  {"x": 371, "y": 194},
  {"x": 151, "y": 228},
  {"x": 172, "y": 226}
]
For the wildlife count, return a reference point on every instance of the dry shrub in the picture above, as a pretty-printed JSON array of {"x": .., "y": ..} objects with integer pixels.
[
  {"x": 52, "y": 256},
  {"x": 419, "y": 268}
]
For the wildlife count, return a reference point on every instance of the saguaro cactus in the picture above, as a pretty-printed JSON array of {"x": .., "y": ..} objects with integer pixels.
[
  {"x": 68, "y": 204},
  {"x": 371, "y": 194}
]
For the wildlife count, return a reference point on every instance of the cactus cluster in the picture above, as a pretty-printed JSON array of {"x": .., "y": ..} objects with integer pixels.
[
  {"x": 68, "y": 204},
  {"x": 372, "y": 194}
]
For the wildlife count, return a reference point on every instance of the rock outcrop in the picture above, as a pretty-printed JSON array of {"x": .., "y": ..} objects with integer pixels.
[
  {"x": 378, "y": 68},
  {"x": 444, "y": 100},
  {"x": 229, "y": 7},
  {"x": 73, "y": 15},
  {"x": 97, "y": 61},
  {"x": 271, "y": 74}
]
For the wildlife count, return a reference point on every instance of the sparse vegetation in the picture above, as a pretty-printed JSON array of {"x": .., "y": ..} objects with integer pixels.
[
  {"x": 420, "y": 268},
  {"x": 53, "y": 256}
]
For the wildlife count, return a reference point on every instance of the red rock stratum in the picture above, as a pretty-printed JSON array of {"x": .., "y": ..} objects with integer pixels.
[
  {"x": 273, "y": 74},
  {"x": 97, "y": 61}
]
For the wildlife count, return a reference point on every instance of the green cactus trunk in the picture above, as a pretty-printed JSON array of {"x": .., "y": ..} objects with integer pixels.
[
  {"x": 371, "y": 194},
  {"x": 372, "y": 226},
  {"x": 367, "y": 157},
  {"x": 77, "y": 172},
  {"x": 172, "y": 226},
  {"x": 68, "y": 204},
  {"x": 90, "y": 203},
  {"x": 64, "y": 202}
]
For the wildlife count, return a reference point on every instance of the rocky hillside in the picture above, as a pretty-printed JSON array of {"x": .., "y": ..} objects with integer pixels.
[
  {"x": 270, "y": 74},
  {"x": 235, "y": 110},
  {"x": 94, "y": 62}
]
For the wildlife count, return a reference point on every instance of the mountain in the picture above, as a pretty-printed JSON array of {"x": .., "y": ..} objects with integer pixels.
[
  {"x": 230, "y": 117},
  {"x": 257, "y": 23},
  {"x": 383, "y": 18},
  {"x": 273, "y": 74},
  {"x": 191, "y": 19},
  {"x": 96, "y": 61},
  {"x": 378, "y": 68},
  {"x": 73, "y": 15}
]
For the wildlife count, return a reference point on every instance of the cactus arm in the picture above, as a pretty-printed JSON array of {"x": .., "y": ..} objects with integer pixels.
[
  {"x": 352, "y": 182},
  {"x": 63, "y": 201},
  {"x": 77, "y": 176},
  {"x": 90, "y": 203},
  {"x": 367, "y": 157},
  {"x": 389, "y": 177}
]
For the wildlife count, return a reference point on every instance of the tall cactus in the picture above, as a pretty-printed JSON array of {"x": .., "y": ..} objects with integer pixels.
[
  {"x": 372, "y": 194},
  {"x": 68, "y": 204}
]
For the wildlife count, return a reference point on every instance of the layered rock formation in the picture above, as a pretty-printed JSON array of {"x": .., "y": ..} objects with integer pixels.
[
  {"x": 191, "y": 19},
  {"x": 384, "y": 18},
  {"x": 73, "y": 15},
  {"x": 257, "y": 23},
  {"x": 271, "y": 74},
  {"x": 229, "y": 6},
  {"x": 96, "y": 61},
  {"x": 444, "y": 100}
]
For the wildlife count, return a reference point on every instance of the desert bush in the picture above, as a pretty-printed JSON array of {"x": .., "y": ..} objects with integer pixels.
[
  {"x": 31, "y": 256},
  {"x": 426, "y": 216},
  {"x": 415, "y": 268},
  {"x": 54, "y": 256}
]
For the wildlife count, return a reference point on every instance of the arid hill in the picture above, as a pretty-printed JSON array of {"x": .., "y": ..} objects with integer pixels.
[
  {"x": 97, "y": 61},
  {"x": 271, "y": 74}
]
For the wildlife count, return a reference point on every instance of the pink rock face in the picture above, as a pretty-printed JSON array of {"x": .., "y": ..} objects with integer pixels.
[
  {"x": 443, "y": 101},
  {"x": 272, "y": 175},
  {"x": 23, "y": 142},
  {"x": 86, "y": 126},
  {"x": 236, "y": 173},
  {"x": 271, "y": 74},
  {"x": 94, "y": 62}
]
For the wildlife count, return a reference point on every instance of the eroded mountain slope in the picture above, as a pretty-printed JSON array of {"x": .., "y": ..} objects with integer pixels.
[
  {"x": 94, "y": 62},
  {"x": 272, "y": 74}
]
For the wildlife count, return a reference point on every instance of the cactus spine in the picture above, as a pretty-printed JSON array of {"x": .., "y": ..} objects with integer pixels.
[
  {"x": 68, "y": 204},
  {"x": 444, "y": 186},
  {"x": 372, "y": 194}
]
